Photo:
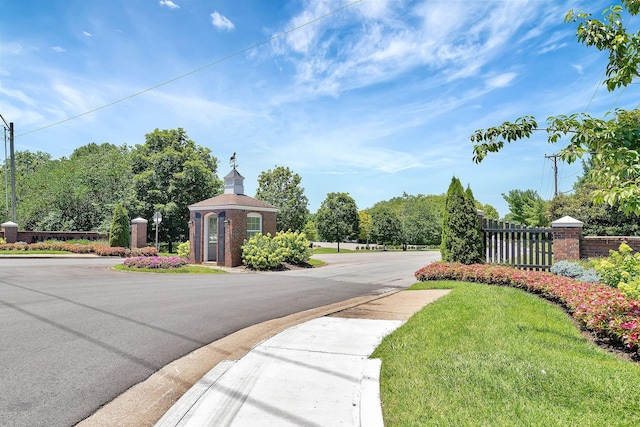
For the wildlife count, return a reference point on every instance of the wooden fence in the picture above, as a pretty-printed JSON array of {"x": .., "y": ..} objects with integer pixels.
[{"x": 517, "y": 245}]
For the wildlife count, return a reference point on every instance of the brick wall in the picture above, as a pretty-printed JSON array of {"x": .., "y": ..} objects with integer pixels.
[{"x": 597, "y": 246}]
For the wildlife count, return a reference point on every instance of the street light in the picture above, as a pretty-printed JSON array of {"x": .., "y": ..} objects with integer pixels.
[{"x": 157, "y": 219}]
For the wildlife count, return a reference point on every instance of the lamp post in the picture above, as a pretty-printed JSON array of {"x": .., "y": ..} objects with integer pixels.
[{"x": 157, "y": 219}]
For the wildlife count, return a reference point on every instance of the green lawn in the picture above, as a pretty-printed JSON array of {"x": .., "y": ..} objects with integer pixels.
[
  {"x": 331, "y": 251},
  {"x": 188, "y": 269},
  {"x": 498, "y": 356}
]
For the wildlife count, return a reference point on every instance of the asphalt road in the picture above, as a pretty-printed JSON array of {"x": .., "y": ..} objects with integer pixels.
[{"x": 74, "y": 334}]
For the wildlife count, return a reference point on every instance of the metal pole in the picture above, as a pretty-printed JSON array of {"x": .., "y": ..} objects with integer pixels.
[
  {"x": 6, "y": 174},
  {"x": 157, "y": 235},
  {"x": 13, "y": 173}
]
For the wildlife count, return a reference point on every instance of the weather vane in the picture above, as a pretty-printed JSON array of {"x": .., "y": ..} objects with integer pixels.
[{"x": 232, "y": 161}]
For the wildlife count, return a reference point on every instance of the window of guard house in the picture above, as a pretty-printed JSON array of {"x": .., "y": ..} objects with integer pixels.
[{"x": 254, "y": 224}]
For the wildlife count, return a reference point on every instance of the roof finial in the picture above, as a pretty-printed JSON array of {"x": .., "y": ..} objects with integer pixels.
[{"x": 232, "y": 161}]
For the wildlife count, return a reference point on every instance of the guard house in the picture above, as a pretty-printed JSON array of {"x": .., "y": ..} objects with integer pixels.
[{"x": 219, "y": 226}]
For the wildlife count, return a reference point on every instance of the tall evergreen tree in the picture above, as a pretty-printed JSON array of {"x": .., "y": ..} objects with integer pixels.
[
  {"x": 461, "y": 236},
  {"x": 119, "y": 233}
]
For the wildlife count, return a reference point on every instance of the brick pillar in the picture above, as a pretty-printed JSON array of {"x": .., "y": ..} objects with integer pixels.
[
  {"x": 10, "y": 231},
  {"x": 567, "y": 233},
  {"x": 139, "y": 233}
]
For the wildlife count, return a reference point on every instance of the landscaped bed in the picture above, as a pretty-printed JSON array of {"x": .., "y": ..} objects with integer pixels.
[
  {"x": 165, "y": 264},
  {"x": 498, "y": 356},
  {"x": 101, "y": 249}
]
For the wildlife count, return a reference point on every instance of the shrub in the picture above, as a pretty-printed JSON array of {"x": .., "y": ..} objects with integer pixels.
[
  {"x": 621, "y": 270},
  {"x": 461, "y": 236},
  {"x": 184, "y": 249},
  {"x": 294, "y": 246},
  {"x": 164, "y": 262},
  {"x": 575, "y": 271},
  {"x": 2, "y": 241},
  {"x": 119, "y": 232},
  {"x": 261, "y": 252},
  {"x": 600, "y": 308}
]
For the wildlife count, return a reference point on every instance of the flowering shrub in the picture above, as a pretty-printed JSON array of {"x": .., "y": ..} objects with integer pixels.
[
  {"x": 600, "y": 308},
  {"x": 156, "y": 262},
  {"x": 98, "y": 249},
  {"x": 294, "y": 245},
  {"x": 262, "y": 252},
  {"x": 184, "y": 249},
  {"x": 621, "y": 270}
]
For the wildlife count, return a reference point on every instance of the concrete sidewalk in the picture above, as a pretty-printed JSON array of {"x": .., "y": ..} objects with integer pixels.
[{"x": 317, "y": 373}]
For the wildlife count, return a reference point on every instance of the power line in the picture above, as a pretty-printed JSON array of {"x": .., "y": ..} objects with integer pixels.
[{"x": 211, "y": 64}]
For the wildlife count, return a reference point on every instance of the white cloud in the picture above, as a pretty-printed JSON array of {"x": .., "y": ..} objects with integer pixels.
[
  {"x": 579, "y": 68},
  {"x": 169, "y": 4},
  {"x": 221, "y": 22},
  {"x": 87, "y": 34},
  {"x": 386, "y": 40},
  {"x": 17, "y": 94},
  {"x": 59, "y": 49},
  {"x": 500, "y": 81}
]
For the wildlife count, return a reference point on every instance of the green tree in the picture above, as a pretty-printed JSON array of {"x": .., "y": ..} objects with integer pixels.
[
  {"x": 461, "y": 236},
  {"x": 489, "y": 211},
  {"x": 386, "y": 226},
  {"x": 281, "y": 188},
  {"x": 310, "y": 231},
  {"x": 172, "y": 172},
  {"x": 614, "y": 144},
  {"x": 119, "y": 233},
  {"x": 365, "y": 227},
  {"x": 338, "y": 219},
  {"x": 420, "y": 217},
  {"x": 526, "y": 208}
]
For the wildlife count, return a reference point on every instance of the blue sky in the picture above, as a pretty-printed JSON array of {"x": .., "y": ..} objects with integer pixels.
[{"x": 377, "y": 99}]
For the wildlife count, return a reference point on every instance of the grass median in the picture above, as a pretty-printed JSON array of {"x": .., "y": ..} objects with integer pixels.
[{"x": 498, "y": 356}]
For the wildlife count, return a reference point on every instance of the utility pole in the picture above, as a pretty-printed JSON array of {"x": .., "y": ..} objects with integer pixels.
[
  {"x": 554, "y": 157},
  {"x": 13, "y": 168}
]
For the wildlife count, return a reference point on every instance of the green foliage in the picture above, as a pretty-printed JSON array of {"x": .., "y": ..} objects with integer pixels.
[
  {"x": 172, "y": 172},
  {"x": 621, "y": 270},
  {"x": 527, "y": 208},
  {"x": 461, "y": 236},
  {"x": 489, "y": 211},
  {"x": 119, "y": 233},
  {"x": 310, "y": 231},
  {"x": 184, "y": 249},
  {"x": 365, "y": 226},
  {"x": 295, "y": 247},
  {"x": 261, "y": 252},
  {"x": 75, "y": 193},
  {"x": 386, "y": 226},
  {"x": 338, "y": 219},
  {"x": 2, "y": 241},
  {"x": 598, "y": 219},
  {"x": 612, "y": 144},
  {"x": 611, "y": 35},
  {"x": 574, "y": 271},
  {"x": 420, "y": 217},
  {"x": 281, "y": 188}
]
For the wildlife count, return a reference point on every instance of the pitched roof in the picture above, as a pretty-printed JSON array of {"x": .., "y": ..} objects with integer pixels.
[{"x": 233, "y": 201}]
